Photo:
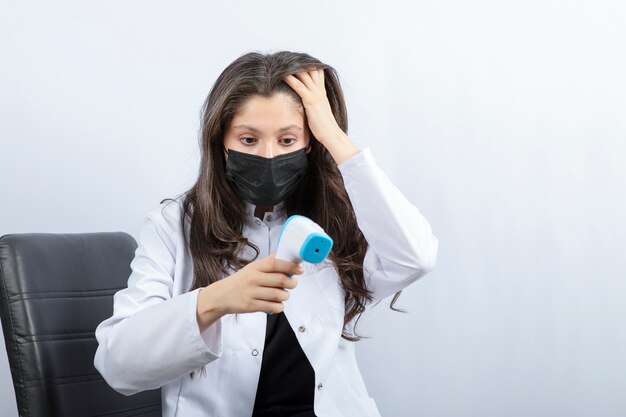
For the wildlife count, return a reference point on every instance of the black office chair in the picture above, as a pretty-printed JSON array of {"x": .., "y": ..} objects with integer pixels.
[{"x": 54, "y": 291}]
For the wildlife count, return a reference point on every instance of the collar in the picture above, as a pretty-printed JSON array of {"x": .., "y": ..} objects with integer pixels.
[{"x": 277, "y": 212}]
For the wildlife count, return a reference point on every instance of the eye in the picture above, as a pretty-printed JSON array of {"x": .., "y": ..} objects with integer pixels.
[
  {"x": 291, "y": 139},
  {"x": 246, "y": 143}
]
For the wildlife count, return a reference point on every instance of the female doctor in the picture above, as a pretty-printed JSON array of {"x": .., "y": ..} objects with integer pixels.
[{"x": 193, "y": 320}]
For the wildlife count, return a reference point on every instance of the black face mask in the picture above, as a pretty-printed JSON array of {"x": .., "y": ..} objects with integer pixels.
[{"x": 265, "y": 181}]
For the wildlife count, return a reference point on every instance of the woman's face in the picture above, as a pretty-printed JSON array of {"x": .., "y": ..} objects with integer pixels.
[{"x": 267, "y": 127}]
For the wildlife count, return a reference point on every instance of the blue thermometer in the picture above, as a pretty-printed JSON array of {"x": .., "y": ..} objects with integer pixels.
[{"x": 301, "y": 239}]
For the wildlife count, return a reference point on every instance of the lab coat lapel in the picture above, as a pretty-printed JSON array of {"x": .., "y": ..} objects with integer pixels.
[{"x": 315, "y": 322}]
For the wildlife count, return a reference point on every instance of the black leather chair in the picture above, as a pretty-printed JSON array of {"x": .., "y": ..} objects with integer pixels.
[{"x": 54, "y": 291}]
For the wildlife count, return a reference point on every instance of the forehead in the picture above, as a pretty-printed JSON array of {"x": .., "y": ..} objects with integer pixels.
[{"x": 278, "y": 109}]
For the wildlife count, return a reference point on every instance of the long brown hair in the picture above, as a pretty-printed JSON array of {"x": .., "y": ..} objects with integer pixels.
[{"x": 217, "y": 216}]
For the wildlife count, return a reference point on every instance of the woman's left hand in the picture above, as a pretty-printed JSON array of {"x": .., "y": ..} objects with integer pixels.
[{"x": 310, "y": 87}]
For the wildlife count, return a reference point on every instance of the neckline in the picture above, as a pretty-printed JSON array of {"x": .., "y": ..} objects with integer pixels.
[{"x": 278, "y": 211}]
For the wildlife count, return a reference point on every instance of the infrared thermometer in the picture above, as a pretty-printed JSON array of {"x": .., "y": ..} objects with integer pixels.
[{"x": 301, "y": 239}]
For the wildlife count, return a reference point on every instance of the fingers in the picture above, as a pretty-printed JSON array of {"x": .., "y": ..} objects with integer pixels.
[
  {"x": 282, "y": 281},
  {"x": 276, "y": 280},
  {"x": 313, "y": 78},
  {"x": 270, "y": 299},
  {"x": 317, "y": 75},
  {"x": 306, "y": 79},
  {"x": 276, "y": 295},
  {"x": 271, "y": 264},
  {"x": 296, "y": 84},
  {"x": 314, "y": 74},
  {"x": 269, "y": 307}
]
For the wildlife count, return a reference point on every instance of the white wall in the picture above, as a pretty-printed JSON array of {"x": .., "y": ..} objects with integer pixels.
[{"x": 504, "y": 122}]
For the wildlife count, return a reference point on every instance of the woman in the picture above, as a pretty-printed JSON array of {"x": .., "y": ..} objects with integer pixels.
[{"x": 274, "y": 143}]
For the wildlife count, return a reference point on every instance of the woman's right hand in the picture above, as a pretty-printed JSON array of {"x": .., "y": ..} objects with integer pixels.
[{"x": 259, "y": 286}]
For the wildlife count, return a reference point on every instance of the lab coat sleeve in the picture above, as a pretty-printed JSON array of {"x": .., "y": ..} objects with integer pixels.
[
  {"x": 153, "y": 338},
  {"x": 402, "y": 247}
]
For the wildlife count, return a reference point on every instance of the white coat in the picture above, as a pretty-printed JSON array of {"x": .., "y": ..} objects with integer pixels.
[{"x": 153, "y": 340}]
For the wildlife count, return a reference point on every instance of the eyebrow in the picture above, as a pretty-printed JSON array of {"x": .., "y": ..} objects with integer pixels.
[{"x": 255, "y": 130}]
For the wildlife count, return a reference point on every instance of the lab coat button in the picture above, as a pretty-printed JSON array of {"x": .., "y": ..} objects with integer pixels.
[
  {"x": 301, "y": 329},
  {"x": 319, "y": 386},
  {"x": 255, "y": 352}
]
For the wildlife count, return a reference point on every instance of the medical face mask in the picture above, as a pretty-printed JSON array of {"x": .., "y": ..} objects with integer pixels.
[{"x": 265, "y": 181}]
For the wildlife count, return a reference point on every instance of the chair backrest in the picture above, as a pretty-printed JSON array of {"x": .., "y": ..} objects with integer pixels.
[{"x": 54, "y": 291}]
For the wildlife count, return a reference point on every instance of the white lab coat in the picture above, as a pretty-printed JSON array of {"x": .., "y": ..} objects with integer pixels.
[{"x": 153, "y": 340}]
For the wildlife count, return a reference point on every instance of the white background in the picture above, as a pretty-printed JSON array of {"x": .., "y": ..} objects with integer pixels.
[{"x": 503, "y": 122}]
